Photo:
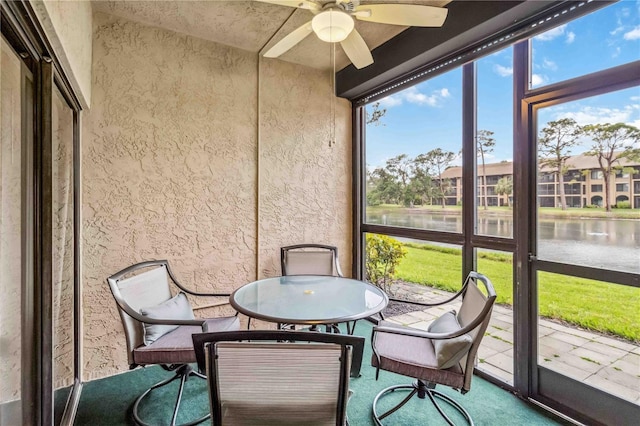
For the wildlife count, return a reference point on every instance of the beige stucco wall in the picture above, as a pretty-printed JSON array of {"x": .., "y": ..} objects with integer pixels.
[
  {"x": 305, "y": 181},
  {"x": 68, "y": 26},
  {"x": 176, "y": 163}
]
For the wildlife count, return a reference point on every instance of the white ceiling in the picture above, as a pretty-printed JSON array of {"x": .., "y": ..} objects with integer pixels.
[{"x": 250, "y": 25}]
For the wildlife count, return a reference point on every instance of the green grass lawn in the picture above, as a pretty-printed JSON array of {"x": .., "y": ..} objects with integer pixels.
[
  {"x": 544, "y": 212},
  {"x": 594, "y": 305}
]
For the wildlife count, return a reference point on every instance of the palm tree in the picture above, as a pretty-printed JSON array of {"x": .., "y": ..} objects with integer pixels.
[{"x": 505, "y": 187}]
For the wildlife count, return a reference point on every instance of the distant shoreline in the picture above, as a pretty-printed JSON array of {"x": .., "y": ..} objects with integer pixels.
[{"x": 545, "y": 212}]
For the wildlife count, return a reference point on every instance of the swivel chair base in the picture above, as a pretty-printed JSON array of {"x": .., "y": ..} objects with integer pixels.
[
  {"x": 182, "y": 372},
  {"x": 422, "y": 388}
]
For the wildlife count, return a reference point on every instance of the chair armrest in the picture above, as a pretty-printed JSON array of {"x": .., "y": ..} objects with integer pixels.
[
  {"x": 195, "y": 293},
  {"x": 163, "y": 321},
  {"x": 210, "y": 305},
  {"x": 420, "y": 333}
]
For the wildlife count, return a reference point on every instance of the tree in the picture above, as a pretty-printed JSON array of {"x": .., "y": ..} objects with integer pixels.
[
  {"x": 505, "y": 187},
  {"x": 436, "y": 162},
  {"x": 554, "y": 145},
  {"x": 422, "y": 183},
  {"x": 375, "y": 117},
  {"x": 484, "y": 145},
  {"x": 382, "y": 187},
  {"x": 400, "y": 168},
  {"x": 610, "y": 144}
]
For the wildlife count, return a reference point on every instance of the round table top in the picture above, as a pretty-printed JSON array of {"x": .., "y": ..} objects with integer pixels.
[{"x": 309, "y": 299}]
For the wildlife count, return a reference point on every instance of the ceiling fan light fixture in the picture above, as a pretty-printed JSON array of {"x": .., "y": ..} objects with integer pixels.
[{"x": 332, "y": 25}]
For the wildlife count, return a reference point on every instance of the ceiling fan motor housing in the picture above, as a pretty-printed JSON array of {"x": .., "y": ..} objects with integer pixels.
[{"x": 332, "y": 25}]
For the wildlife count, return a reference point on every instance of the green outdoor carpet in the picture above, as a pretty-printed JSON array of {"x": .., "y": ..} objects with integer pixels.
[{"x": 109, "y": 401}]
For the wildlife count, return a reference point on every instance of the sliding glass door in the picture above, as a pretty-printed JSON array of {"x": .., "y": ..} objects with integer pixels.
[
  {"x": 39, "y": 232},
  {"x": 16, "y": 230}
]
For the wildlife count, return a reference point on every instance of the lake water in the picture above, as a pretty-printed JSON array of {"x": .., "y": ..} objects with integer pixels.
[{"x": 601, "y": 243}]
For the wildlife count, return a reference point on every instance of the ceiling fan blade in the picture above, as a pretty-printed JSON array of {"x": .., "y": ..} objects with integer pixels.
[
  {"x": 302, "y": 4},
  {"x": 357, "y": 50},
  {"x": 293, "y": 38},
  {"x": 410, "y": 15}
]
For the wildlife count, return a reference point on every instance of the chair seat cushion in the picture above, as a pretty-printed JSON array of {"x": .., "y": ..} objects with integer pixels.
[
  {"x": 413, "y": 357},
  {"x": 449, "y": 351},
  {"x": 176, "y": 347}
]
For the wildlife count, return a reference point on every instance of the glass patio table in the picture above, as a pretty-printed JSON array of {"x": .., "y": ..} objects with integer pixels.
[{"x": 309, "y": 299}]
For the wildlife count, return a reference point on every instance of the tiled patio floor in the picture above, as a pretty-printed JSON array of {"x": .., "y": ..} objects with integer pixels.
[{"x": 610, "y": 364}]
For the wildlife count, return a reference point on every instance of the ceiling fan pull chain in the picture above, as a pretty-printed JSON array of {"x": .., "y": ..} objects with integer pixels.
[{"x": 332, "y": 80}]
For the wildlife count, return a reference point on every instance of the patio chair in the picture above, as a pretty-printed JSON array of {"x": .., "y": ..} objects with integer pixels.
[
  {"x": 445, "y": 354},
  {"x": 312, "y": 259},
  {"x": 278, "y": 377},
  {"x": 158, "y": 326}
]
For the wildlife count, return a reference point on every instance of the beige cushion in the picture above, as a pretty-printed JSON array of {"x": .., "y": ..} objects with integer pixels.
[
  {"x": 176, "y": 347},
  {"x": 177, "y": 308},
  {"x": 449, "y": 351}
]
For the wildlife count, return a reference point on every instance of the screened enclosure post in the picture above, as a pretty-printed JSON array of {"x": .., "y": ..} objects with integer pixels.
[{"x": 522, "y": 164}]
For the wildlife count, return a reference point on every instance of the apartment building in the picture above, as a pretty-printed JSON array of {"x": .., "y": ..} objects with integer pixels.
[{"x": 583, "y": 184}]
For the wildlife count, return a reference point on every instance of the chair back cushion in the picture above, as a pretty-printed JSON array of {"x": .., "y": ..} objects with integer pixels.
[
  {"x": 277, "y": 383},
  {"x": 473, "y": 302},
  {"x": 309, "y": 263},
  {"x": 149, "y": 288},
  {"x": 449, "y": 352},
  {"x": 177, "y": 307}
]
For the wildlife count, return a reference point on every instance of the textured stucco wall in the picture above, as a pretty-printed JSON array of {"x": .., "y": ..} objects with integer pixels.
[
  {"x": 170, "y": 167},
  {"x": 305, "y": 183},
  {"x": 68, "y": 26},
  {"x": 63, "y": 344}
]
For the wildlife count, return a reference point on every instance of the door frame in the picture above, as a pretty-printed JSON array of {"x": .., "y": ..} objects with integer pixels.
[{"x": 540, "y": 384}]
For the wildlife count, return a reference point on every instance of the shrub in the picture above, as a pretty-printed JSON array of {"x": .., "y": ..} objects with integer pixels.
[
  {"x": 592, "y": 206},
  {"x": 623, "y": 205},
  {"x": 383, "y": 255}
]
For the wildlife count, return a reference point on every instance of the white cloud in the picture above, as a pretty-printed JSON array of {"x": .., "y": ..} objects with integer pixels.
[
  {"x": 552, "y": 33},
  {"x": 414, "y": 96},
  {"x": 616, "y": 52},
  {"x": 549, "y": 64},
  {"x": 634, "y": 34},
  {"x": 390, "y": 101},
  {"x": 571, "y": 36},
  {"x": 617, "y": 30},
  {"x": 538, "y": 80},
  {"x": 635, "y": 98},
  {"x": 599, "y": 115},
  {"x": 503, "y": 71}
]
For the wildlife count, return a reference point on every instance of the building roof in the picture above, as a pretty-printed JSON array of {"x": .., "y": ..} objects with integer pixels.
[{"x": 579, "y": 162}]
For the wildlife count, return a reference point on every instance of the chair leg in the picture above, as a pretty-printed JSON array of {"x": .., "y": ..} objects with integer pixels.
[
  {"x": 423, "y": 389},
  {"x": 182, "y": 373}
]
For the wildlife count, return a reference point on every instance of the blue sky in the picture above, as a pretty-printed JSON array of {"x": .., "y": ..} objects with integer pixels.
[{"x": 428, "y": 115}]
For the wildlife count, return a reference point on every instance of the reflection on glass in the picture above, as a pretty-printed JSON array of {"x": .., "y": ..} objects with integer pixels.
[
  {"x": 587, "y": 181},
  {"x": 589, "y": 330},
  {"x": 603, "y": 39},
  {"x": 496, "y": 350},
  {"x": 494, "y": 144},
  {"x": 413, "y": 138},
  {"x": 10, "y": 243},
  {"x": 63, "y": 237}
]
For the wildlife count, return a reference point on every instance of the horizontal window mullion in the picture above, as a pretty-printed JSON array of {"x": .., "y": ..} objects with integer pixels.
[
  {"x": 587, "y": 272},
  {"x": 418, "y": 234}
]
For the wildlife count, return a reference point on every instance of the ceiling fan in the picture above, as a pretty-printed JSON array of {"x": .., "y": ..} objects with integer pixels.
[{"x": 333, "y": 22}]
